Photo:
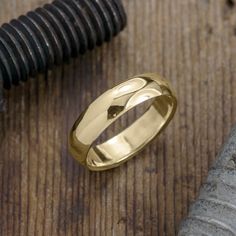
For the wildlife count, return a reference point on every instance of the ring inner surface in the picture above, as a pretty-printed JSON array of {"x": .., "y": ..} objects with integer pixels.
[{"x": 131, "y": 140}]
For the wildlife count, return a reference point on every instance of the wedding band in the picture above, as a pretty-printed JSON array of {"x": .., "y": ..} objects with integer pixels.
[{"x": 108, "y": 108}]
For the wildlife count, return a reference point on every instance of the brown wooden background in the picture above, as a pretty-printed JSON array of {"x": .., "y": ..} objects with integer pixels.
[{"x": 43, "y": 191}]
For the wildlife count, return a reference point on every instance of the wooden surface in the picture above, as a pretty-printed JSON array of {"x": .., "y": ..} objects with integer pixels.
[{"x": 43, "y": 191}]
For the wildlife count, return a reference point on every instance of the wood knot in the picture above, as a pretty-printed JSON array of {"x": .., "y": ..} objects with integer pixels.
[
  {"x": 122, "y": 220},
  {"x": 230, "y": 3}
]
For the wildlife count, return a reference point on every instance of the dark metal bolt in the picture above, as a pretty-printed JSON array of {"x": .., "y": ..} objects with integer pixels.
[{"x": 54, "y": 33}]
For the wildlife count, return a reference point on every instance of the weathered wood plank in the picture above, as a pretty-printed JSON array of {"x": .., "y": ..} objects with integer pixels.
[{"x": 43, "y": 191}]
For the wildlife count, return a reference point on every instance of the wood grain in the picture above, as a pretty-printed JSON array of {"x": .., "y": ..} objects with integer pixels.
[{"x": 43, "y": 191}]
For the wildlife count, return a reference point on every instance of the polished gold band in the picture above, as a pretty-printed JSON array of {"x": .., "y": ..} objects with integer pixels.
[{"x": 108, "y": 108}]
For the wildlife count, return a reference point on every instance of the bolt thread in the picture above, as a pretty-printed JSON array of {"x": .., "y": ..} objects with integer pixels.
[{"x": 54, "y": 33}]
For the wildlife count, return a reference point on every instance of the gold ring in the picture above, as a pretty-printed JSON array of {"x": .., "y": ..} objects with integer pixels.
[{"x": 108, "y": 108}]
